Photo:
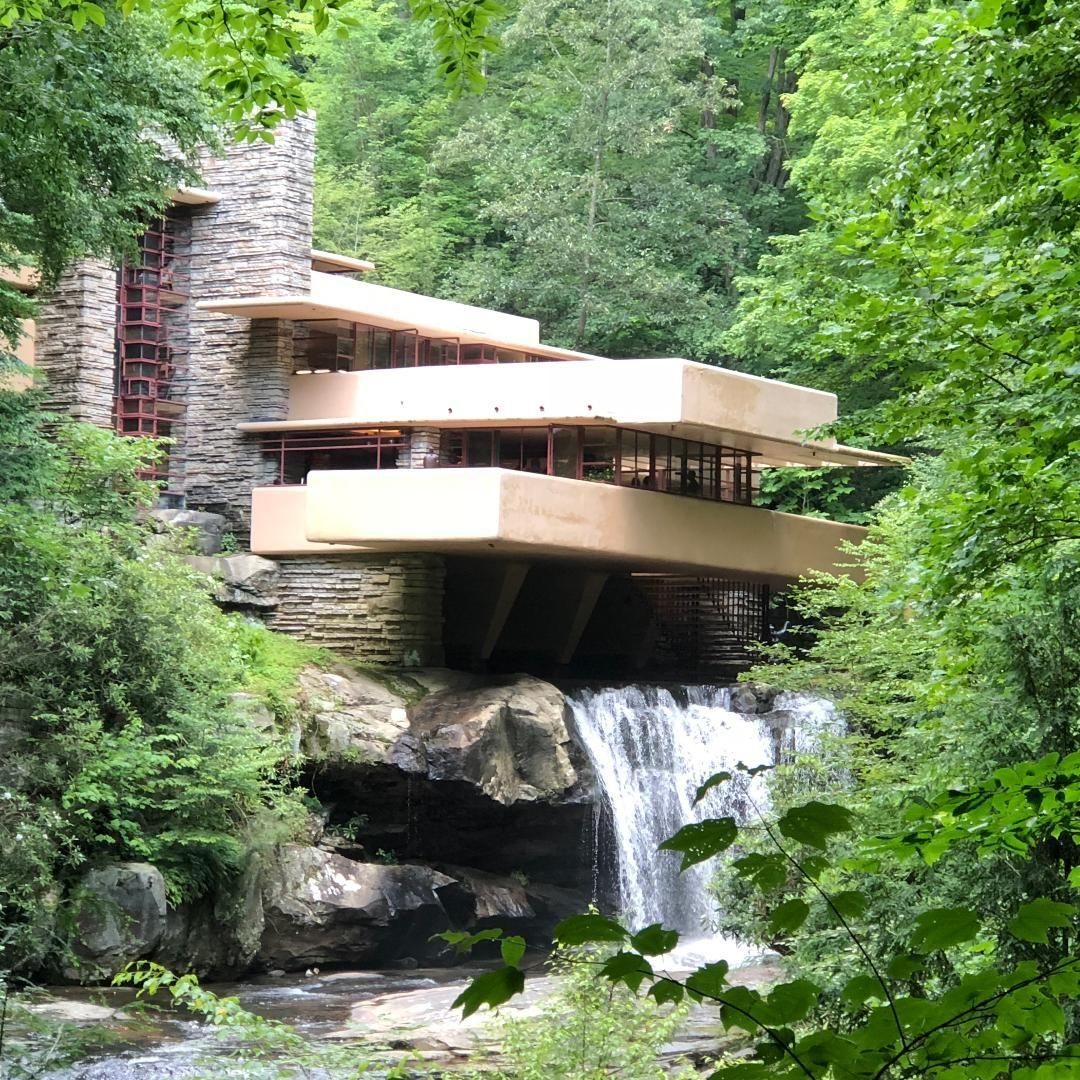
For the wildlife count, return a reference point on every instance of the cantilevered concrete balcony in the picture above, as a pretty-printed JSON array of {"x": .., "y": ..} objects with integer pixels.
[
  {"x": 664, "y": 396},
  {"x": 498, "y": 512}
]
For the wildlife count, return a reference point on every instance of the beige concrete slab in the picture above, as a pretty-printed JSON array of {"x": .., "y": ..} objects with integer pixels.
[
  {"x": 666, "y": 396},
  {"x": 499, "y": 512},
  {"x": 334, "y": 297}
]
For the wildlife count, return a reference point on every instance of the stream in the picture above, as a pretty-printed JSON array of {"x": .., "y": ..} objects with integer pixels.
[{"x": 650, "y": 748}]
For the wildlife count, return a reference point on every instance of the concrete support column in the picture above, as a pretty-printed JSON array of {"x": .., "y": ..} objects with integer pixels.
[{"x": 513, "y": 577}]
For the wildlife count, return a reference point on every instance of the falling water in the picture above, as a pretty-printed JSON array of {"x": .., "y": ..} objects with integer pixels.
[{"x": 650, "y": 752}]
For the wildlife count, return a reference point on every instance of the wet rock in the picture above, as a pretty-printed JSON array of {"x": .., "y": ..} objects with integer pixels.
[
  {"x": 216, "y": 937},
  {"x": 73, "y": 1012},
  {"x": 324, "y": 909},
  {"x": 480, "y": 899},
  {"x": 511, "y": 741},
  {"x": 242, "y": 581},
  {"x": 208, "y": 529},
  {"x": 121, "y": 917}
]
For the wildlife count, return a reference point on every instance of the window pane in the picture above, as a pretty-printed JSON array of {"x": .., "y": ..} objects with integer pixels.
[
  {"x": 564, "y": 452},
  {"x": 599, "y": 454}
]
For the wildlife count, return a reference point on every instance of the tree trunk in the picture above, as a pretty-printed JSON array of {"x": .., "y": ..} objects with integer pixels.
[
  {"x": 776, "y": 174},
  {"x": 590, "y": 224},
  {"x": 766, "y": 90},
  {"x": 708, "y": 114}
]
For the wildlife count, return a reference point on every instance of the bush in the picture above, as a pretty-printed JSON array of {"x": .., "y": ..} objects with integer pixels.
[
  {"x": 117, "y": 674},
  {"x": 589, "y": 1029}
]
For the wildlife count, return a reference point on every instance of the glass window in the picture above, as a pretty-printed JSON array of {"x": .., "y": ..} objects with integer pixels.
[
  {"x": 599, "y": 454},
  {"x": 565, "y": 452}
]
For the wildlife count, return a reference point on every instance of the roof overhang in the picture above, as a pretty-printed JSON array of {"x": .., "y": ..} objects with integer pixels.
[
  {"x": 333, "y": 297},
  {"x": 328, "y": 262},
  {"x": 194, "y": 196}
]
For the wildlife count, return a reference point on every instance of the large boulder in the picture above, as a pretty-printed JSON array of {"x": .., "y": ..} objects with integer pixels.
[
  {"x": 207, "y": 529},
  {"x": 510, "y": 740},
  {"x": 216, "y": 937},
  {"x": 349, "y": 715},
  {"x": 322, "y": 909},
  {"x": 241, "y": 581},
  {"x": 121, "y": 917}
]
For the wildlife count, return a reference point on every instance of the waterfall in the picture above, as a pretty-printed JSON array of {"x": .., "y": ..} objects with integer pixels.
[{"x": 650, "y": 751}]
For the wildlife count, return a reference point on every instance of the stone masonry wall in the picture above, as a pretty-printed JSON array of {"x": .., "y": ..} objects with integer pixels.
[
  {"x": 422, "y": 442},
  {"x": 76, "y": 341},
  {"x": 379, "y": 609},
  {"x": 255, "y": 241}
]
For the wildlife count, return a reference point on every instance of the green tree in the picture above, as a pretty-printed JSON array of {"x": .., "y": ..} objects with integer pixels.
[
  {"x": 383, "y": 110},
  {"x": 82, "y": 116},
  {"x": 245, "y": 51},
  {"x": 606, "y": 218}
]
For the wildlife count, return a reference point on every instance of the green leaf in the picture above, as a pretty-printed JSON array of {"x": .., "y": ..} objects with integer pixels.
[
  {"x": 709, "y": 981},
  {"x": 714, "y": 781},
  {"x": 859, "y": 990},
  {"x": 666, "y": 991},
  {"x": 582, "y": 929},
  {"x": 1034, "y": 919},
  {"x": 850, "y": 904},
  {"x": 655, "y": 940},
  {"x": 767, "y": 872},
  {"x": 463, "y": 941},
  {"x": 814, "y": 822},
  {"x": 788, "y": 916},
  {"x": 493, "y": 989},
  {"x": 627, "y": 967},
  {"x": 513, "y": 949},
  {"x": 791, "y": 1002},
  {"x": 903, "y": 966},
  {"x": 702, "y": 840},
  {"x": 942, "y": 928}
]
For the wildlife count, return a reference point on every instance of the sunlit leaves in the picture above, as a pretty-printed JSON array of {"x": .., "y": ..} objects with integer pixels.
[
  {"x": 815, "y": 822},
  {"x": 702, "y": 840},
  {"x": 1035, "y": 919},
  {"x": 244, "y": 47}
]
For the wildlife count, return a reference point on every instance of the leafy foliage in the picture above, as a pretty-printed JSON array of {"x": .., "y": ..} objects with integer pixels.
[
  {"x": 588, "y": 1030},
  {"x": 117, "y": 672},
  {"x": 244, "y": 49}
]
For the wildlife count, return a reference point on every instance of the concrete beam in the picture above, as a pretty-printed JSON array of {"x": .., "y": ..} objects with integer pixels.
[
  {"x": 591, "y": 587},
  {"x": 513, "y": 577}
]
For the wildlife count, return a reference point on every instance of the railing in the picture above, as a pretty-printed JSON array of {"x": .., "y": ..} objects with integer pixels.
[
  {"x": 623, "y": 457},
  {"x": 323, "y": 345}
]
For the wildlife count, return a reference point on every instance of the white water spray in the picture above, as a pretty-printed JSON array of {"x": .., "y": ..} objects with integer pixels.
[{"x": 651, "y": 752}]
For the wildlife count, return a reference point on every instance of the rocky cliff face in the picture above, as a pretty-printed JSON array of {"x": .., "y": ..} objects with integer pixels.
[{"x": 449, "y": 803}]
